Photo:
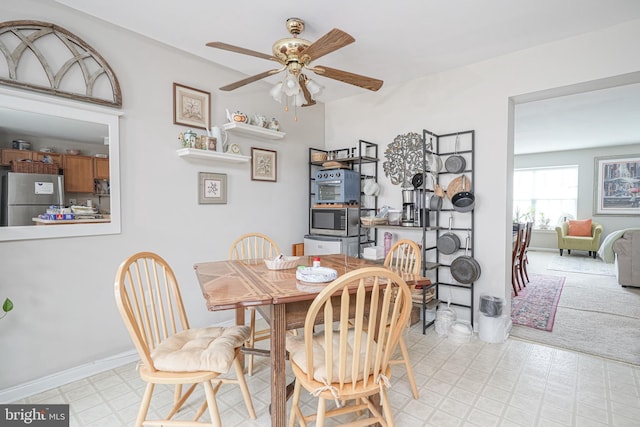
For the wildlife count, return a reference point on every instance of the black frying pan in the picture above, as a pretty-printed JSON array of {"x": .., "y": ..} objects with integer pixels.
[
  {"x": 463, "y": 201},
  {"x": 417, "y": 180}
]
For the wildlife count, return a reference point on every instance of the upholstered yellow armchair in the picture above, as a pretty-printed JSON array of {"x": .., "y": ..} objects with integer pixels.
[{"x": 582, "y": 235}]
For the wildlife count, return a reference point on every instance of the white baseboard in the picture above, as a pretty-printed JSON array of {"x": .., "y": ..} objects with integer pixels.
[
  {"x": 538, "y": 249},
  {"x": 58, "y": 379},
  {"x": 76, "y": 373}
]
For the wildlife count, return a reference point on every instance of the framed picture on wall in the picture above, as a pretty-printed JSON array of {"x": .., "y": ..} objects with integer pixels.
[
  {"x": 617, "y": 184},
  {"x": 191, "y": 107},
  {"x": 263, "y": 164},
  {"x": 211, "y": 144},
  {"x": 212, "y": 188}
]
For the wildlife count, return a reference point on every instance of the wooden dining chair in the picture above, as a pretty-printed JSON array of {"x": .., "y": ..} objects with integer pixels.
[
  {"x": 150, "y": 303},
  {"x": 405, "y": 256},
  {"x": 515, "y": 260},
  {"x": 253, "y": 246},
  {"x": 523, "y": 259},
  {"x": 348, "y": 362}
]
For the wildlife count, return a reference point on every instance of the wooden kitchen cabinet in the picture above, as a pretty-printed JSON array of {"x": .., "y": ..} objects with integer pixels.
[
  {"x": 55, "y": 158},
  {"x": 78, "y": 174},
  {"x": 100, "y": 168},
  {"x": 9, "y": 154}
]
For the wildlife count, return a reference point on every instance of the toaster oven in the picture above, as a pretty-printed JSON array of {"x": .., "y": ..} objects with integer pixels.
[{"x": 337, "y": 186}]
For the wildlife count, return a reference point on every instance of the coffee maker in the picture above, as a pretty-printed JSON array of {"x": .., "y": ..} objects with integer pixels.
[{"x": 408, "y": 207}]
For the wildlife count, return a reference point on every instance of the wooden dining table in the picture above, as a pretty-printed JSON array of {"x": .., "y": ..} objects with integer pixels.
[{"x": 279, "y": 297}]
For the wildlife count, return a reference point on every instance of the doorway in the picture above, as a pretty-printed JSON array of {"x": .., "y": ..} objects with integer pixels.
[{"x": 576, "y": 122}]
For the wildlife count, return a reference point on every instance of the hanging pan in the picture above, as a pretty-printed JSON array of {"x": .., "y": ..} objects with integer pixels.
[
  {"x": 455, "y": 163},
  {"x": 455, "y": 186},
  {"x": 435, "y": 202},
  {"x": 465, "y": 269},
  {"x": 435, "y": 163},
  {"x": 435, "y": 199},
  {"x": 417, "y": 180},
  {"x": 449, "y": 242},
  {"x": 463, "y": 201}
]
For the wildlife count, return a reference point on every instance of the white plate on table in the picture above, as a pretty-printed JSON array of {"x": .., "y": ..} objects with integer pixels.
[{"x": 316, "y": 274}]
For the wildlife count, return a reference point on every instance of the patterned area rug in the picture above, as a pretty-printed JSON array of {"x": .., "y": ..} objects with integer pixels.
[
  {"x": 536, "y": 305},
  {"x": 579, "y": 263}
]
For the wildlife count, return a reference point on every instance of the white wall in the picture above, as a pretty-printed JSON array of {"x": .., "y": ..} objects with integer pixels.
[
  {"x": 65, "y": 313},
  {"x": 479, "y": 97},
  {"x": 584, "y": 159}
]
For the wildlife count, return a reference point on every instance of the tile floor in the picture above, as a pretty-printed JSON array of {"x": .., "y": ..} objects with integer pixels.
[
  {"x": 515, "y": 383},
  {"x": 474, "y": 384}
]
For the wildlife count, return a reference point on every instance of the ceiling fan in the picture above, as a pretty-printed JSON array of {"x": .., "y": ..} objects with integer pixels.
[{"x": 295, "y": 56}]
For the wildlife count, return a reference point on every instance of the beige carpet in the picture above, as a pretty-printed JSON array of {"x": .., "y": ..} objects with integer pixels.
[
  {"x": 581, "y": 263},
  {"x": 595, "y": 315}
]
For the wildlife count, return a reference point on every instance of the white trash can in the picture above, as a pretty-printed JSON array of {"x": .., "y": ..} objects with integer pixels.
[
  {"x": 494, "y": 329},
  {"x": 444, "y": 319},
  {"x": 491, "y": 306}
]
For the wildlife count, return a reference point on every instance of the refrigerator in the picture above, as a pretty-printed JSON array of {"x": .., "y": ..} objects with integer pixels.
[{"x": 24, "y": 196}]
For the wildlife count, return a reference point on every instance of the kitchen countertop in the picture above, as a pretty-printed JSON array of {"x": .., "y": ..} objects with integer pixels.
[{"x": 38, "y": 221}]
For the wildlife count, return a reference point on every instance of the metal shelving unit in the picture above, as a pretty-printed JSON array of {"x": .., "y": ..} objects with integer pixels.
[
  {"x": 364, "y": 159},
  {"x": 367, "y": 165},
  {"x": 443, "y": 177}
]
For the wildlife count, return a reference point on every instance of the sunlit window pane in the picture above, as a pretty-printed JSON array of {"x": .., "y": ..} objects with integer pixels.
[{"x": 545, "y": 195}]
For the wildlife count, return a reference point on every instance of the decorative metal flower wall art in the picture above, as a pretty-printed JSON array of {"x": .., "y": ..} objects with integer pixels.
[{"x": 403, "y": 159}]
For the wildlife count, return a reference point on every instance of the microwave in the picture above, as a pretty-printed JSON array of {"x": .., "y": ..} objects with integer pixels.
[
  {"x": 337, "y": 186},
  {"x": 334, "y": 221}
]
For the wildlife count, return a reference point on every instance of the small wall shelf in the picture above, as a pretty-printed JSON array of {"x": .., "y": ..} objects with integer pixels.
[
  {"x": 243, "y": 128},
  {"x": 194, "y": 153}
]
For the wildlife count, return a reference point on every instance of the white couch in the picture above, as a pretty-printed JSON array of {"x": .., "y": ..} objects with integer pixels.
[{"x": 627, "y": 250}]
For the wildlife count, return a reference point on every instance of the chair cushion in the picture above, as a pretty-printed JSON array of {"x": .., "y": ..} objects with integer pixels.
[
  {"x": 581, "y": 228},
  {"x": 200, "y": 349},
  {"x": 295, "y": 347}
]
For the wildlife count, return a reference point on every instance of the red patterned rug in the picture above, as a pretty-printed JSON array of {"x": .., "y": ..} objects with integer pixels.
[{"x": 536, "y": 305}]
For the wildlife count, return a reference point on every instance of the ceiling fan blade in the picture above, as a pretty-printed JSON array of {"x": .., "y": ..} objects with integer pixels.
[
  {"x": 333, "y": 40},
  {"x": 242, "y": 50},
  {"x": 346, "y": 77},
  {"x": 251, "y": 79},
  {"x": 305, "y": 91}
]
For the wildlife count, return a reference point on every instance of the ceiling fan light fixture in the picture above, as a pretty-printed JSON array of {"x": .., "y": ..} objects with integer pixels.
[
  {"x": 313, "y": 87},
  {"x": 276, "y": 92},
  {"x": 291, "y": 86},
  {"x": 298, "y": 99}
]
